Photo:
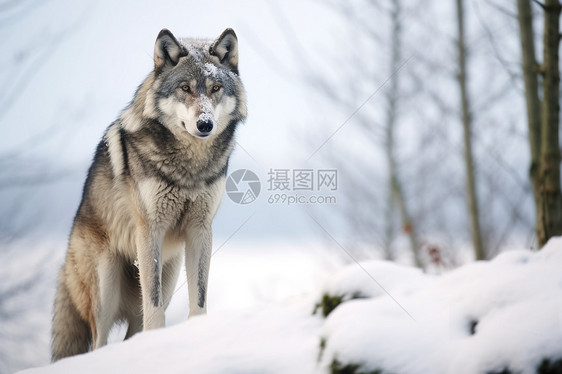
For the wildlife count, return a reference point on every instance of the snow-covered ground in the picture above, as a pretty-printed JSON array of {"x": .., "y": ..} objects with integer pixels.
[
  {"x": 501, "y": 316},
  {"x": 244, "y": 275}
]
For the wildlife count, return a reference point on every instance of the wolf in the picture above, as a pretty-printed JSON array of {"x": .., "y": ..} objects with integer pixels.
[{"x": 151, "y": 193}]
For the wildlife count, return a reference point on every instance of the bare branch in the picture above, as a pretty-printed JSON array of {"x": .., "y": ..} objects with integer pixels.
[
  {"x": 503, "y": 10},
  {"x": 540, "y": 4},
  {"x": 515, "y": 79}
]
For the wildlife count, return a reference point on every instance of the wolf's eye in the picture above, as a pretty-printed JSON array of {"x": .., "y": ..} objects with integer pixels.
[
  {"x": 185, "y": 88},
  {"x": 216, "y": 87}
]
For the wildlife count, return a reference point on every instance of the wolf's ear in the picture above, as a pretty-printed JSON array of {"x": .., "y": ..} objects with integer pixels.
[
  {"x": 225, "y": 48},
  {"x": 167, "y": 50}
]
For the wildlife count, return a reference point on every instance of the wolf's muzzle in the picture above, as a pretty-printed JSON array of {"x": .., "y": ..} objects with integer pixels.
[{"x": 205, "y": 127}]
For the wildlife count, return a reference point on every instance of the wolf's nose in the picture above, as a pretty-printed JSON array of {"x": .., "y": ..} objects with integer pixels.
[{"x": 204, "y": 126}]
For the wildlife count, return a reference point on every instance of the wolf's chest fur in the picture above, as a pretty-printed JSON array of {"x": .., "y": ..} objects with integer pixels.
[
  {"x": 184, "y": 163},
  {"x": 172, "y": 179}
]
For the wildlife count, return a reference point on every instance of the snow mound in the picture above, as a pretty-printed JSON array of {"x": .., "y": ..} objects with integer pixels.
[
  {"x": 264, "y": 340},
  {"x": 501, "y": 316}
]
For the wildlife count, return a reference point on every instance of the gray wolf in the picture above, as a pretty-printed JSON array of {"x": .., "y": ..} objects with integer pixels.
[{"x": 151, "y": 193}]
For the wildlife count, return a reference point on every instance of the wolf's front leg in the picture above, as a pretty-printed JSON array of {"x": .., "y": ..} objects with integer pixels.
[
  {"x": 149, "y": 254},
  {"x": 197, "y": 263}
]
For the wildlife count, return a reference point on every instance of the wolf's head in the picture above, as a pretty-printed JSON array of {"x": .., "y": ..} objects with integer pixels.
[{"x": 196, "y": 84}]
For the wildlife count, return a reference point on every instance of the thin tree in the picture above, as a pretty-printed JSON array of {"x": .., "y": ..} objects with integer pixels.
[
  {"x": 472, "y": 196},
  {"x": 429, "y": 164},
  {"x": 543, "y": 116},
  {"x": 397, "y": 196}
]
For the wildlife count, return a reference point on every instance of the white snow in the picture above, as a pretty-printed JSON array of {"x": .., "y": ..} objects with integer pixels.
[
  {"x": 513, "y": 303},
  {"x": 194, "y": 48},
  {"x": 370, "y": 279},
  {"x": 206, "y": 108},
  {"x": 247, "y": 342},
  {"x": 210, "y": 70},
  {"x": 515, "y": 300}
]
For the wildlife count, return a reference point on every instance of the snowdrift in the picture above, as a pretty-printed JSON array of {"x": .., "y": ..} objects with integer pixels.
[{"x": 501, "y": 316}]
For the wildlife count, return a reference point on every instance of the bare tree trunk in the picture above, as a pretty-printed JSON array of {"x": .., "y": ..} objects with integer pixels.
[
  {"x": 389, "y": 226},
  {"x": 397, "y": 193},
  {"x": 468, "y": 157},
  {"x": 550, "y": 223},
  {"x": 543, "y": 117},
  {"x": 530, "y": 68}
]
